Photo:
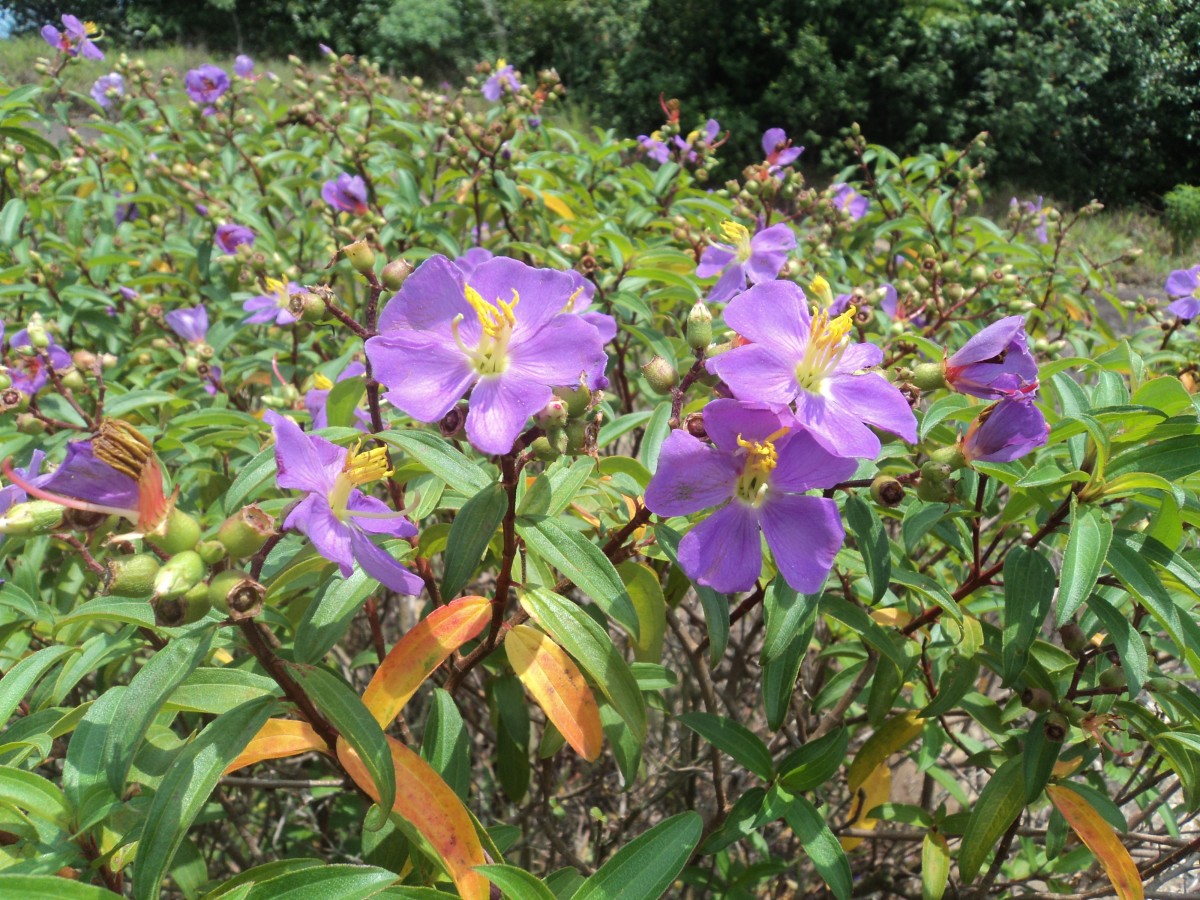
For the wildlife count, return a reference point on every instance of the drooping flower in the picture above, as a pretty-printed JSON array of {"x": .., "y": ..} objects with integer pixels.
[
  {"x": 444, "y": 333},
  {"x": 190, "y": 323},
  {"x": 503, "y": 78},
  {"x": 316, "y": 398},
  {"x": 243, "y": 66},
  {"x": 1037, "y": 210},
  {"x": 115, "y": 472},
  {"x": 336, "y": 515},
  {"x": 994, "y": 363},
  {"x": 756, "y": 259},
  {"x": 107, "y": 88},
  {"x": 705, "y": 138},
  {"x": 808, "y": 359},
  {"x": 1005, "y": 431},
  {"x": 28, "y": 370},
  {"x": 779, "y": 150},
  {"x": 273, "y": 306},
  {"x": 206, "y": 84},
  {"x": 1184, "y": 286},
  {"x": 347, "y": 193},
  {"x": 77, "y": 38},
  {"x": 849, "y": 201},
  {"x": 12, "y": 494},
  {"x": 655, "y": 147},
  {"x": 230, "y": 236},
  {"x": 757, "y": 471}
]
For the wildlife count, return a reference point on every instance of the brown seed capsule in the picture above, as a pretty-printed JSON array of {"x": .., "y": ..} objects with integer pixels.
[
  {"x": 887, "y": 491},
  {"x": 1056, "y": 727},
  {"x": 1037, "y": 699},
  {"x": 1073, "y": 637}
]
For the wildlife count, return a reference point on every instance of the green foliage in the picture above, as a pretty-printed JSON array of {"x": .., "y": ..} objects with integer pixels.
[{"x": 1181, "y": 215}]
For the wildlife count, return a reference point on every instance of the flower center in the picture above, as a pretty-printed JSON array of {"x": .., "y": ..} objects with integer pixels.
[
  {"x": 738, "y": 235},
  {"x": 359, "y": 469},
  {"x": 496, "y": 321},
  {"x": 827, "y": 341},
  {"x": 321, "y": 383},
  {"x": 282, "y": 294},
  {"x": 761, "y": 460},
  {"x": 123, "y": 447}
]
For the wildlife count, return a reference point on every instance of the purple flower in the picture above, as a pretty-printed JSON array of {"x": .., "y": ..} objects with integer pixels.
[
  {"x": 473, "y": 259},
  {"x": 28, "y": 371},
  {"x": 230, "y": 236},
  {"x": 273, "y": 306},
  {"x": 504, "y": 77},
  {"x": 758, "y": 259},
  {"x": 98, "y": 475},
  {"x": 1005, "y": 431},
  {"x": 336, "y": 516},
  {"x": 201, "y": 210},
  {"x": 347, "y": 193},
  {"x": 243, "y": 66},
  {"x": 809, "y": 360},
  {"x": 105, "y": 85},
  {"x": 326, "y": 50},
  {"x": 846, "y": 199},
  {"x": 206, "y": 84},
  {"x": 705, "y": 139},
  {"x": 994, "y": 363},
  {"x": 890, "y": 301},
  {"x": 74, "y": 39},
  {"x": 1184, "y": 285},
  {"x": 12, "y": 494},
  {"x": 126, "y": 212},
  {"x": 1031, "y": 208},
  {"x": 655, "y": 148},
  {"x": 501, "y": 333},
  {"x": 757, "y": 471},
  {"x": 128, "y": 294},
  {"x": 317, "y": 397},
  {"x": 779, "y": 150},
  {"x": 190, "y": 323}
]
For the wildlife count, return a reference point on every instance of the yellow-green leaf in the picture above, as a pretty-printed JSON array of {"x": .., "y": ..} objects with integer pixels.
[{"x": 1100, "y": 838}]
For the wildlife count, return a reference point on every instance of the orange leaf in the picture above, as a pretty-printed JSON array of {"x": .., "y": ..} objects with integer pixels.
[
  {"x": 875, "y": 789},
  {"x": 558, "y": 687},
  {"x": 425, "y": 801},
  {"x": 278, "y": 738},
  {"x": 422, "y": 649},
  {"x": 1100, "y": 838}
]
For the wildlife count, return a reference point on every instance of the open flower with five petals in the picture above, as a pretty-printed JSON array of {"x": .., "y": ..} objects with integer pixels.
[
  {"x": 994, "y": 363},
  {"x": 1183, "y": 286},
  {"x": 506, "y": 333},
  {"x": 757, "y": 471},
  {"x": 336, "y": 516},
  {"x": 756, "y": 259}
]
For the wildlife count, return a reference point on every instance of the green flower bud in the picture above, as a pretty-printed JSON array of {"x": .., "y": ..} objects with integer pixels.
[
  {"x": 395, "y": 273},
  {"x": 699, "y": 327},
  {"x": 236, "y": 594},
  {"x": 1075, "y": 714},
  {"x": 244, "y": 533},
  {"x": 936, "y": 491},
  {"x": 174, "y": 612},
  {"x": 74, "y": 380},
  {"x": 577, "y": 399},
  {"x": 211, "y": 551},
  {"x": 576, "y": 434},
  {"x": 935, "y": 472},
  {"x": 552, "y": 414},
  {"x": 950, "y": 456},
  {"x": 887, "y": 491},
  {"x": 178, "y": 533},
  {"x": 929, "y": 376},
  {"x": 1161, "y": 685},
  {"x": 979, "y": 274},
  {"x": 545, "y": 449},
  {"x": 130, "y": 576},
  {"x": 660, "y": 375},
  {"x": 36, "y": 329},
  {"x": 30, "y": 518},
  {"x": 1073, "y": 638},
  {"x": 178, "y": 575},
  {"x": 361, "y": 256},
  {"x": 1113, "y": 678}
]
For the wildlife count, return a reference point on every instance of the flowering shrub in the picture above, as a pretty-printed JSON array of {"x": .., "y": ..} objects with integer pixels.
[{"x": 392, "y": 506}]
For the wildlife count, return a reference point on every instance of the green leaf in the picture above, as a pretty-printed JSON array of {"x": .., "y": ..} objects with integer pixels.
[
  {"x": 1029, "y": 584},
  {"x": 999, "y": 804},
  {"x": 441, "y": 459},
  {"x": 51, "y": 887},
  {"x": 250, "y": 477},
  {"x": 1128, "y": 641},
  {"x": 1087, "y": 547},
  {"x": 260, "y": 874},
  {"x": 926, "y": 586},
  {"x": 354, "y": 722},
  {"x": 20, "y": 679},
  {"x": 325, "y": 882},
  {"x": 343, "y": 400},
  {"x": 827, "y": 855},
  {"x": 872, "y": 544},
  {"x": 734, "y": 739},
  {"x": 791, "y": 618},
  {"x": 645, "y": 867},
  {"x": 578, "y": 634},
  {"x": 328, "y": 617},
  {"x": 145, "y": 696},
  {"x": 186, "y": 787},
  {"x": 815, "y": 763},
  {"x": 1172, "y": 459},
  {"x": 40, "y": 798},
  {"x": 516, "y": 883},
  {"x": 554, "y": 489},
  {"x": 11, "y": 218},
  {"x": 470, "y": 533},
  {"x": 445, "y": 745},
  {"x": 218, "y": 690},
  {"x": 584, "y": 564},
  {"x": 646, "y": 594}
]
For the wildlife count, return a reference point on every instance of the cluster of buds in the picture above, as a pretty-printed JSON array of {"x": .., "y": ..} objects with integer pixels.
[{"x": 570, "y": 423}]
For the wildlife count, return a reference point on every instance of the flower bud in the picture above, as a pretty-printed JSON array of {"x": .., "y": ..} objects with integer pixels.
[
  {"x": 395, "y": 273},
  {"x": 178, "y": 533},
  {"x": 887, "y": 491},
  {"x": 74, "y": 380},
  {"x": 130, "y": 576},
  {"x": 36, "y": 330},
  {"x": 576, "y": 434},
  {"x": 929, "y": 376},
  {"x": 236, "y": 594},
  {"x": 552, "y": 414},
  {"x": 361, "y": 256},
  {"x": 27, "y": 423},
  {"x": 1162, "y": 685},
  {"x": 30, "y": 518},
  {"x": 1113, "y": 678},
  {"x": 699, "y": 327},
  {"x": 1073, "y": 638},
  {"x": 935, "y": 472},
  {"x": 548, "y": 450},
  {"x": 577, "y": 399},
  {"x": 174, "y": 612},
  {"x": 1037, "y": 699},
  {"x": 936, "y": 491},
  {"x": 178, "y": 575},
  {"x": 308, "y": 307},
  {"x": 244, "y": 533},
  {"x": 211, "y": 551},
  {"x": 660, "y": 375},
  {"x": 693, "y": 424},
  {"x": 950, "y": 456}
]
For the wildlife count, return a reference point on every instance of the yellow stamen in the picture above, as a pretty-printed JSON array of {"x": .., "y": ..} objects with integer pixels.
[
  {"x": 280, "y": 290},
  {"x": 826, "y": 342},
  {"x": 493, "y": 318},
  {"x": 569, "y": 306},
  {"x": 820, "y": 288},
  {"x": 321, "y": 383},
  {"x": 738, "y": 235},
  {"x": 761, "y": 459},
  {"x": 122, "y": 446},
  {"x": 91, "y": 29},
  {"x": 359, "y": 469},
  {"x": 500, "y": 63}
]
